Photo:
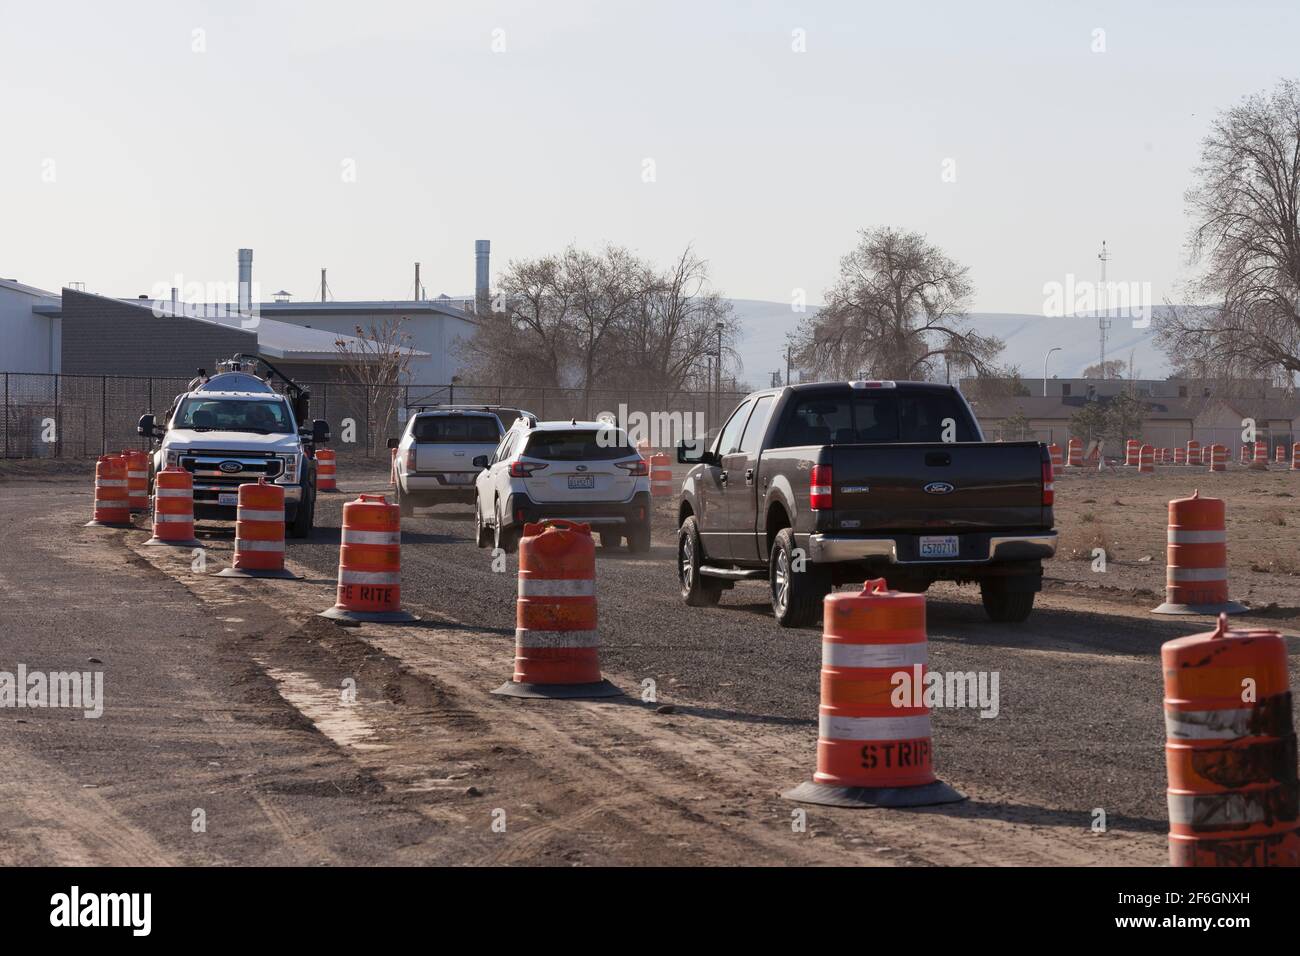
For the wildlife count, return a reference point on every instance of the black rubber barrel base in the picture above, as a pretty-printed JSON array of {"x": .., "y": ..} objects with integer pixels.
[
  {"x": 108, "y": 524},
  {"x": 282, "y": 574},
  {"x": 926, "y": 795},
  {"x": 1230, "y": 607},
  {"x": 191, "y": 543},
  {"x": 600, "y": 688},
  {"x": 370, "y": 617}
]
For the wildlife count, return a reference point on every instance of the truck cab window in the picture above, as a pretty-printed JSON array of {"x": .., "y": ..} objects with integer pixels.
[
  {"x": 819, "y": 420},
  {"x": 729, "y": 440}
]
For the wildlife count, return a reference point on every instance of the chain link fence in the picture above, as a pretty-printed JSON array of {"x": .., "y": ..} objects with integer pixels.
[{"x": 83, "y": 416}]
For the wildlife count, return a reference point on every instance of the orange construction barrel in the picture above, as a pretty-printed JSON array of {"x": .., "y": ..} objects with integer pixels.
[
  {"x": 370, "y": 564},
  {"x": 112, "y": 507},
  {"x": 873, "y": 741}
]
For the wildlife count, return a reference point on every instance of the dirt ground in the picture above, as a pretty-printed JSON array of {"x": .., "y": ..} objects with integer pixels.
[{"x": 226, "y": 695}]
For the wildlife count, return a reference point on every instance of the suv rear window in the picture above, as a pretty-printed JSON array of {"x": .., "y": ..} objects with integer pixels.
[
  {"x": 851, "y": 419},
  {"x": 452, "y": 429},
  {"x": 586, "y": 445}
]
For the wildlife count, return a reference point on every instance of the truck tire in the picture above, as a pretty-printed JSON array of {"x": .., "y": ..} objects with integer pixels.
[
  {"x": 405, "y": 507},
  {"x": 305, "y": 518},
  {"x": 609, "y": 540},
  {"x": 697, "y": 590},
  {"x": 1004, "y": 605},
  {"x": 796, "y": 595}
]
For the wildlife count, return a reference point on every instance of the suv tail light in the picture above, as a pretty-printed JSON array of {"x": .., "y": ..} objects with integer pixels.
[
  {"x": 525, "y": 469},
  {"x": 637, "y": 469},
  {"x": 409, "y": 465},
  {"x": 819, "y": 494},
  {"x": 1049, "y": 492}
]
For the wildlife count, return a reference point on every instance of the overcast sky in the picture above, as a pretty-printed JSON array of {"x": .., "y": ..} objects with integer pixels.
[{"x": 135, "y": 149}]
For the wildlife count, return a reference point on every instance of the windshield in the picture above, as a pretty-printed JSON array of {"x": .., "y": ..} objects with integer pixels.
[
  {"x": 587, "y": 445},
  {"x": 264, "y": 416}
]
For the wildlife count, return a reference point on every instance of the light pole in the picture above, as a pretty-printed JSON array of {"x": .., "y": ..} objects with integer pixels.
[
  {"x": 718, "y": 369},
  {"x": 1055, "y": 348}
]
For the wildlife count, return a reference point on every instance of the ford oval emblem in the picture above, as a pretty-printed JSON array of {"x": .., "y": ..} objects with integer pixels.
[
  {"x": 230, "y": 467},
  {"x": 938, "y": 488}
]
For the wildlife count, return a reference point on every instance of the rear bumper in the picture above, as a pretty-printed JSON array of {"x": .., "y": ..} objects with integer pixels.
[
  {"x": 438, "y": 481},
  {"x": 974, "y": 548},
  {"x": 635, "y": 511}
]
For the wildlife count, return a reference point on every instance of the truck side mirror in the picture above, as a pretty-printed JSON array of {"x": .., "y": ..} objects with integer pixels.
[
  {"x": 320, "y": 432},
  {"x": 480, "y": 461},
  {"x": 394, "y": 442},
  {"x": 694, "y": 451},
  {"x": 147, "y": 427}
]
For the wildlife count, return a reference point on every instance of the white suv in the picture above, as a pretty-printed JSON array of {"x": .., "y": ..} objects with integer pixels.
[
  {"x": 584, "y": 471},
  {"x": 436, "y": 453}
]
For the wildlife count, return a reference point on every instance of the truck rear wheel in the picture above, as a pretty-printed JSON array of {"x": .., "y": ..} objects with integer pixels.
[
  {"x": 798, "y": 587},
  {"x": 1006, "y": 606}
]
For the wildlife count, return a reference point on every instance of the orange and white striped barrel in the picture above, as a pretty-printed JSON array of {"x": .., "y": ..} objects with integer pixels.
[
  {"x": 1244, "y": 456},
  {"x": 1074, "y": 453},
  {"x": 137, "y": 479},
  {"x": 112, "y": 507},
  {"x": 1180, "y": 456},
  {"x": 259, "y": 533},
  {"x": 661, "y": 476},
  {"x": 326, "y": 470},
  {"x": 873, "y": 740},
  {"x": 1131, "y": 449},
  {"x": 1230, "y": 754},
  {"x": 1193, "y": 452},
  {"x": 1295, "y": 457},
  {"x": 1146, "y": 460},
  {"x": 1196, "y": 563},
  {"x": 1259, "y": 462},
  {"x": 370, "y": 563},
  {"x": 173, "y": 508},
  {"x": 1279, "y": 454},
  {"x": 557, "y": 644},
  {"x": 1218, "y": 455},
  {"x": 1054, "y": 450}
]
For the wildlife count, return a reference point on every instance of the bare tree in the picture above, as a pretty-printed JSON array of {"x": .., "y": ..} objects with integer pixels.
[
  {"x": 377, "y": 358},
  {"x": 1244, "y": 318},
  {"x": 896, "y": 311},
  {"x": 1111, "y": 368}
]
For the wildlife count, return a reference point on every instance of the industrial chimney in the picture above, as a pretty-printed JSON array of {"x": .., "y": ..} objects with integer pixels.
[
  {"x": 482, "y": 301},
  {"x": 245, "y": 281}
]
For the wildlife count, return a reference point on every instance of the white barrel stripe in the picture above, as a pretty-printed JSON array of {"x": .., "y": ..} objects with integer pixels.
[
  {"x": 556, "y": 587},
  {"x": 110, "y": 483},
  {"x": 531, "y": 637},
  {"x": 1212, "y": 810},
  {"x": 1196, "y": 537},
  {"x": 873, "y": 728},
  {"x": 174, "y": 492},
  {"x": 116, "y": 504},
  {"x": 243, "y": 544},
  {"x": 137, "y": 474},
  {"x": 1195, "y": 574},
  {"x": 352, "y": 536},
  {"x": 836, "y": 654},
  {"x": 1209, "y": 724},
  {"x": 178, "y": 518},
  {"x": 347, "y": 576},
  {"x": 251, "y": 514}
]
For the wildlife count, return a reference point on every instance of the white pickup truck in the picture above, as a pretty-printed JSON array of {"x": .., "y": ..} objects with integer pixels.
[{"x": 435, "y": 455}]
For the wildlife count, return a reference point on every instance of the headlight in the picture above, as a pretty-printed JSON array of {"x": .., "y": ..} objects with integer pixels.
[
  {"x": 172, "y": 458},
  {"x": 290, "y": 472}
]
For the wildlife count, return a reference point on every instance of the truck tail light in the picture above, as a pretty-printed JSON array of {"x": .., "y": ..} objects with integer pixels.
[
  {"x": 525, "y": 469},
  {"x": 409, "y": 464},
  {"x": 819, "y": 494},
  {"x": 1049, "y": 493},
  {"x": 637, "y": 469}
]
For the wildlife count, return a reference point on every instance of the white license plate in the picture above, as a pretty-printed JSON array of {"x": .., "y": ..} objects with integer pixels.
[
  {"x": 939, "y": 546},
  {"x": 459, "y": 479},
  {"x": 230, "y": 500},
  {"x": 582, "y": 481}
]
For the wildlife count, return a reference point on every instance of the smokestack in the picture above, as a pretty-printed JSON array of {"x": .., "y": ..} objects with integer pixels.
[
  {"x": 245, "y": 281},
  {"x": 481, "y": 298}
]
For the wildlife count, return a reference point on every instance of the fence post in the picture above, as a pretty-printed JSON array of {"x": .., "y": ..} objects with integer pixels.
[
  {"x": 103, "y": 414},
  {"x": 6, "y": 414},
  {"x": 58, "y": 421},
  {"x": 370, "y": 413}
]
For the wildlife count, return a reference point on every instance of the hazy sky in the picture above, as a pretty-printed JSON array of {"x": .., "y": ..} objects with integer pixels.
[{"x": 164, "y": 160}]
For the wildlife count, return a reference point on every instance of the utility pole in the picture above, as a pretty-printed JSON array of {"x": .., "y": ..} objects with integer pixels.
[
  {"x": 787, "y": 364},
  {"x": 322, "y": 285},
  {"x": 1103, "y": 312},
  {"x": 417, "y": 282}
]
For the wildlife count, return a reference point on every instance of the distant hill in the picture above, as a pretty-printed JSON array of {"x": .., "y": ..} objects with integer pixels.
[{"x": 1027, "y": 338}]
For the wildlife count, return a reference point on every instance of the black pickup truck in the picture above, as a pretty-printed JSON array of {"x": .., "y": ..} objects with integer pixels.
[{"x": 810, "y": 486}]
